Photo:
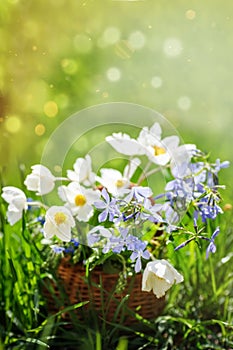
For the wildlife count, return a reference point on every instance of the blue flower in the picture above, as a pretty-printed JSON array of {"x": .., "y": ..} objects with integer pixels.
[
  {"x": 29, "y": 200},
  {"x": 97, "y": 233},
  {"x": 212, "y": 247},
  {"x": 109, "y": 207},
  {"x": 41, "y": 219},
  {"x": 180, "y": 192},
  {"x": 208, "y": 207},
  {"x": 139, "y": 252},
  {"x": 120, "y": 243},
  {"x": 69, "y": 250},
  {"x": 139, "y": 194},
  {"x": 221, "y": 165},
  {"x": 75, "y": 242},
  {"x": 57, "y": 249}
]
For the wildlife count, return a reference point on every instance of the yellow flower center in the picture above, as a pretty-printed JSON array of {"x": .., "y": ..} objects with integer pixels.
[
  {"x": 80, "y": 200},
  {"x": 119, "y": 183},
  {"x": 59, "y": 218},
  {"x": 159, "y": 150}
]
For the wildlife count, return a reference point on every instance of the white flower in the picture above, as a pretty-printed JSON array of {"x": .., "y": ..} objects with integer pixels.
[
  {"x": 181, "y": 159},
  {"x": 114, "y": 181},
  {"x": 82, "y": 171},
  {"x": 79, "y": 200},
  {"x": 149, "y": 142},
  {"x": 159, "y": 276},
  {"x": 158, "y": 150},
  {"x": 40, "y": 180},
  {"x": 17, "y": 203},
  {"x": 147, "y": 136},
  {"x": 124, "y": 144},
  {"x": 58, "y": 222}
]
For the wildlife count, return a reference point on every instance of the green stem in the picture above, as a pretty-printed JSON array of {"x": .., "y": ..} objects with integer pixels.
[
  {"x": 98, "y": 341},
  {"x": 142, "y": 176},
  {"x": 212, "y": 276}
]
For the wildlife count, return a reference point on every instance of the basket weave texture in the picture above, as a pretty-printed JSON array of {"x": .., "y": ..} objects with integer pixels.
[{"x": 99, "y": 290}]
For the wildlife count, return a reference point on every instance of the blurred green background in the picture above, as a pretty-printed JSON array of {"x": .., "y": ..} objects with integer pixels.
[{"x": 60, "y": 56}]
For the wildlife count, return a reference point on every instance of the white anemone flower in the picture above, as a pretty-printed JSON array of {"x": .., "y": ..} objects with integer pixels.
[
  {"x": 17, "y": 203},
  {"x": 58, "y": 222},
  {"x": 147, "y": 136},
  {"x": 159, "y": 276},
  {"x": 41, "y": 180},
  {"x": 79, "y": 200},
  {"x": 149, "y": 142},
  {"x": 115, "y": 182},
  {"x": 82, "y": 171},
  {"x": 124, "y": 144},
  {"x": 159, "y": 151}
]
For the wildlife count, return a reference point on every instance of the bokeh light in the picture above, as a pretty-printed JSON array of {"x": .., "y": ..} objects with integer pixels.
[
  {"x": 137, "y": 40},
  {"x": 156, "y": 82},
  {"x": 39, "y": 129},
  {"x": 190, "y": 14},
  {"x": 172, "y": 47},
  {"x": 50, "y": 109},
  {"x": 69, "y": 66},
  {"x": 113, "y": 74},
  {"x": 13, "y": 124},
  {"x": 184, "y": 103},
  {"x": 82, "y": 43},
  {"x": 111, "y": 35},
  {"x": 86, "y": 53}
]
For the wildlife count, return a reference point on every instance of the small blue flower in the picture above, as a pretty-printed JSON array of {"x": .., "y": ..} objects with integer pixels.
[
  {"x": 29, "y": 200},
  {"x": 57, "y": 249},
  {"x": 182, "y": 245},
  {"x": 69, "y": 250},
  {"x": 41, "y": 219},
  {"x": 109, "y": 207},
  {"x": 179, "y": 192},
  {"x": 208, "y": 208},
  {"x": 139, "y": 252},
  {"x": 75, "y": 242},
  {"x": 221, "y": 165},
  {"x": 139, "y": 194},
  {"x": 212, "y": 247}
]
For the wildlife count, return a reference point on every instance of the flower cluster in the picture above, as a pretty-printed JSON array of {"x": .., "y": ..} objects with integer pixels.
[{"x": 116, "y": 214}]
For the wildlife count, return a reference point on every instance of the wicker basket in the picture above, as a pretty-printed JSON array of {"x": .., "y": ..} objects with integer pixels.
[{"x": 105, "y": 302}]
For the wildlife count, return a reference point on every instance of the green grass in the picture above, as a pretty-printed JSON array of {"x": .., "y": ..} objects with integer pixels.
[{"x": 198, "y": 313}]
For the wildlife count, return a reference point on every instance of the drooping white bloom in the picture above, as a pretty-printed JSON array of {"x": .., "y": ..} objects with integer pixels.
[
  {"x": 124, "y": 144},
  {"x": 41, "y": 180},
  {"x": 114, "y": 181},
  {"x": 58, "y": 222},
  {"x": 17, "y": 203},
  {"x": 82, "y": 171},
  {"x": 79, "y": 200},
  {"x": 159, "y": 276}
]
